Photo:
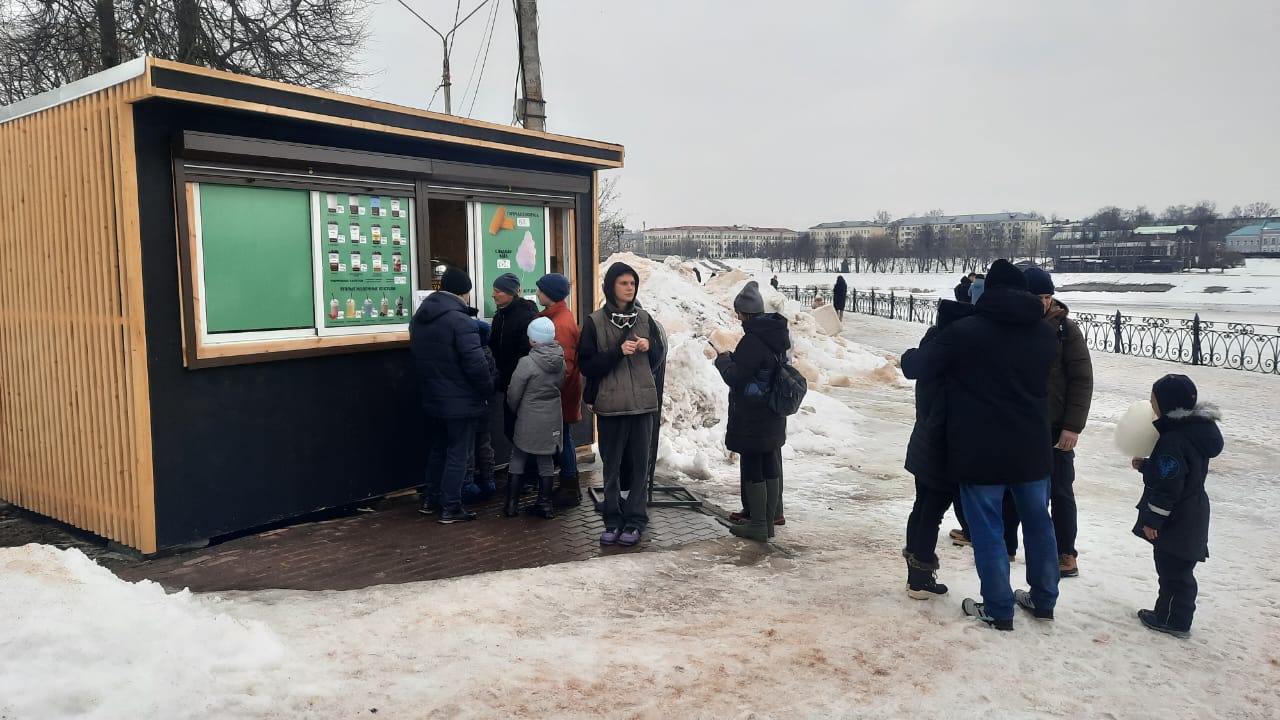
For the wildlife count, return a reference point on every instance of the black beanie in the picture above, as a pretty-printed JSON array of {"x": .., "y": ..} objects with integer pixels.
[
  {"x": 455, "y": 281},
  {"x": 1039, "y": 282},
  {"x": 1003, "y": 272},
  {"x": 1174, "y": 392}
]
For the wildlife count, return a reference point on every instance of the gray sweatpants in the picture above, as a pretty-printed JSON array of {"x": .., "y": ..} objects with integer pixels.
[{"x": 625, "y": 439}]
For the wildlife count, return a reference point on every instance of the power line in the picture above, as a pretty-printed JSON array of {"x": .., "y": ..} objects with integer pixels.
[
  {"x": 489, "y": 22},
  {"x": 493, "y": 24}
]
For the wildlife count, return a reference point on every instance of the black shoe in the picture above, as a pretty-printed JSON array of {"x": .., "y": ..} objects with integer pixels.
[
  {"x": 1148, "y": 618},
  {"x": 959, "y": 539},
  {"x": 453, "y": 515},
  {"x": 1023, "y": 599},
  {"x": 972, "y": 608}
]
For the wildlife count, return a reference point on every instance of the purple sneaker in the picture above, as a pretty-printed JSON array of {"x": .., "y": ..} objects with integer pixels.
[
  {"x": 609, "y": 536},
  {"x": 629, "y": 536}
]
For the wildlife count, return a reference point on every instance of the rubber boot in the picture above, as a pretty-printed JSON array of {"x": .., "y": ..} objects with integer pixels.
[
  {"x": 570, "y": 492},
  {"x": 546, "y": 494},
  {"x": 758, "y": 503},
  {"x": 512, "y": 508},
  {"x": 774, "y": 486}
]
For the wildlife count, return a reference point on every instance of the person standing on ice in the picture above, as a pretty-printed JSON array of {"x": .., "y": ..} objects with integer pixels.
[
  {"x": 995, "y": 364},
  {"x": 754, "y": 430},
  {"x": 1070, "y": 394},
  {"x": 839, "y": 296},
  {"x": 774, "y": 281},
  {"x": 927, "y": 462},
  {"x": 1173, "y": 514},
  {"x": 618, "y": 353}
]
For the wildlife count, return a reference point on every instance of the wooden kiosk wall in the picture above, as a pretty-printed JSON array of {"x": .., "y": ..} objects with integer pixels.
[
  {"x": 75, "y": 440},
  {"x": 102, "y": 423}
]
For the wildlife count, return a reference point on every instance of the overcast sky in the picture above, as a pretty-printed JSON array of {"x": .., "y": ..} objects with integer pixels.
[{"x": 791, "y": 113}]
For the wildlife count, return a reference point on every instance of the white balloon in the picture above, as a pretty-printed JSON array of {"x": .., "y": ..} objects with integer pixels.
[{"x": 1135, "y": 435}]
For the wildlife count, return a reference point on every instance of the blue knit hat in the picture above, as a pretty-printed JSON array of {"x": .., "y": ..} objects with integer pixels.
[
  {"x": 508, "y": 283},
  {"x": 555, "y": 286},
  {"x": 1039, "y": 282},
  {"x": 542, "y": 330}
]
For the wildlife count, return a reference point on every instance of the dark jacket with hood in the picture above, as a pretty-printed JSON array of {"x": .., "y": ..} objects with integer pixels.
[
  {"x": 510, "y": 340},
  {"x": 749, "y": 372},
  {"x": 927, "y": 448},
  {"x": 995, "y": 366},
  {"x": 534, "y": 396},
  {"x": 455, "y": 375},
  {"x": 1070, "y": 375},
  {"x": 618, "y": 384},
  {"x": 840, "y": 293},
  {"x": 962, "y": 290},
  {"x": 1174, "y": 502}
]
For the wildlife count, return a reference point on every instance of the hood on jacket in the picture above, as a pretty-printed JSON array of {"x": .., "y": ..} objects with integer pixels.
[
  {"x": 611, "y": 276},
  {"x": 1009, "y": 305},
  {"x": 1199, "y": 425},
  {"x": 1057, "y": 310},
  {"x": 485, "y": 331},
  {"x": 950, "y": 310},
  {"x": 549, "y": 357},
  {"x": 772, "y": 329},
  {"x": 437, "y": 304}
]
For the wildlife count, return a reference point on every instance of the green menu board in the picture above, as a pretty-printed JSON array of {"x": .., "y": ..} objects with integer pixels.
[
  {"x": 366, "y": 247},
  {"x": 513, "y": 239}
]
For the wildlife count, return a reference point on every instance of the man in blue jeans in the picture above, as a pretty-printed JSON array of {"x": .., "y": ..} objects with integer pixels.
[
  {"x": 996, "y": 366},
  {"x": 457, "y": 381}
]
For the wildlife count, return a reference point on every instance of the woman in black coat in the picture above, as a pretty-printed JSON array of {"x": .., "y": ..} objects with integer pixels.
[
  {"x": 755, "y": 431},
  {"x": 839, "y": 294}
]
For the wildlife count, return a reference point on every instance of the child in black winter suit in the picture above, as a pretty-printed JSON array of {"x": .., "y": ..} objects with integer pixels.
[{"x": 1173, "y": 514}]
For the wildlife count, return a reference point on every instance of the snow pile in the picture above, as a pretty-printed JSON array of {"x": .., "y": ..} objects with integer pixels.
[
  {"x": 696, "y": 399},
  {"x": 78, "y": 639}
]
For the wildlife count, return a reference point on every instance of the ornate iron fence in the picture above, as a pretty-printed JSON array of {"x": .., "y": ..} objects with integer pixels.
[{"x": 1231, "y": 345}]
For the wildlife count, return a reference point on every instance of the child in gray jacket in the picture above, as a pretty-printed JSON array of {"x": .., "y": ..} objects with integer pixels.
[{"x": 534, "y": 396}]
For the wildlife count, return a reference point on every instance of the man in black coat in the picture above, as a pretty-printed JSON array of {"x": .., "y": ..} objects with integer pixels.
[
  {"x": 962, "y": 290},
  {"x": 509, "y": 340},
  {"x": 995, "y": 365},
  {"x": 457, "y": 379}
]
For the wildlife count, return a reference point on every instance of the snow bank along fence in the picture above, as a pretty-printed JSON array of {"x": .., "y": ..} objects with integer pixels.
[{"x": 1230, "y": 345}]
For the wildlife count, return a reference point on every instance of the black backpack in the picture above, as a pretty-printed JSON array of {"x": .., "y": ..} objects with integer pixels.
[{"x": 788, "y": 388}]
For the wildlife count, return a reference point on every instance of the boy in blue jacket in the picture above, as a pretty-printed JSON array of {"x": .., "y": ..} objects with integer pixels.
[{"x": 1173, "y": 514}]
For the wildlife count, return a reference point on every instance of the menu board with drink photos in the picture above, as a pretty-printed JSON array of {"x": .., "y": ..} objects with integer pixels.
[{"x": 367, "y": 251}]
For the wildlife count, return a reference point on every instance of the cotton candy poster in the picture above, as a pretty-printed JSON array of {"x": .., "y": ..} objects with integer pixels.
[{"x": 513, "y": 240}]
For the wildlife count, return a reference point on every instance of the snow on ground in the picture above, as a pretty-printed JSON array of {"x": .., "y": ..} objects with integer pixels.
[
  {"x": 1247, "y": 294},
  {"x": 817, "y": 627}
]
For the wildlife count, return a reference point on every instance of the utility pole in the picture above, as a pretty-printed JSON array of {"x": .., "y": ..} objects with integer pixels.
[{"x": 532, "y": 108}]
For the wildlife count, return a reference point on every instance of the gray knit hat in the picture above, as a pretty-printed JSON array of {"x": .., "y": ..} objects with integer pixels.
[{"x": 749, "y": 301}]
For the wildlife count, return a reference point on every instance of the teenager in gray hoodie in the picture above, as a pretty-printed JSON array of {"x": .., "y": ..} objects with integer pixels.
[{"x": 534, "y": 396}]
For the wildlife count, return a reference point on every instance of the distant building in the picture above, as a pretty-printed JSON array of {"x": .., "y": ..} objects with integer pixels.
[
  {"x": 1117, "y": 251},
  {"x": 832, "y": 239},
  {"x": 1260, "y": 239},
  {"x": 1164, "y": 230},
  {"x": 716, "y": 241},
  {"x": 991, "y": 228}
]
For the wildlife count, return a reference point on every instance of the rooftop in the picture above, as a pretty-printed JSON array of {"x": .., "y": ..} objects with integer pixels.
[
  {"x": 962, "y": 219},
  {"x": 1162, "y": 229},
  {"x": 846, "y": 224},
  {"x": 719, "y": 228}
]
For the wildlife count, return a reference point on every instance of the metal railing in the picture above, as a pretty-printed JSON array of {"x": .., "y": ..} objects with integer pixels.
[{"x": 1231, "y": 345}]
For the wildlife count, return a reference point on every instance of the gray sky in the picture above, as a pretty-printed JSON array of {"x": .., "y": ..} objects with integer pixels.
[{"x": 767, "y": 112}]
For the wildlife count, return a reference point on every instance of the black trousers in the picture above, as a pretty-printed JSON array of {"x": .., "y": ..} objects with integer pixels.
[
  {"x": 1062, "y": 506},
  {"x": 925, "y": 518},
  {"x": 1176, "y": 603}
]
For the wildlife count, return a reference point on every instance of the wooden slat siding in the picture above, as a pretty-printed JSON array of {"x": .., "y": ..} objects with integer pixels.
[{"x": 74, "y": 415}]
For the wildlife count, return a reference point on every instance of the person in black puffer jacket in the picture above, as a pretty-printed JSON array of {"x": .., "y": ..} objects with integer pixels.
[
  {"x": 995, "y": 364},
  {"x": 927, "y": 462},
  {"x": 755, "y": 431},
  {"x": 457, "y": 385},
  {"x": 1173, "y": 514}
]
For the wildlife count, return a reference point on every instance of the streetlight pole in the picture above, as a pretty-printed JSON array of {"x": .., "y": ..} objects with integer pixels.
[{"x": 446, "y": 40}]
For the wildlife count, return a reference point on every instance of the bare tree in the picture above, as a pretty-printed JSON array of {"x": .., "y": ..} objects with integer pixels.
[
  {"x": 612, "y": 221},
  {"x": 48, "y": 43},
  {"x": 1257, "y": 210},
  {"x": 883, "y": 217}
]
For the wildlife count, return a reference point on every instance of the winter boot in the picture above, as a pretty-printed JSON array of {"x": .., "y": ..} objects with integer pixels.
[
  {"x": 455, "y": 514},
  {"x": 512, "y": 508},
  {"x": 545, "y": 506},
  {"x": 922, "y": 579},
  {"x": 1067, "y": 566},
  {"x": 774, "y": 486},
  {"x": 958, "y": 538},
  {"x": 758, "y": 501},
  {"x": 1153, "y": 621},
  {"x": 569, "y": 493}
]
